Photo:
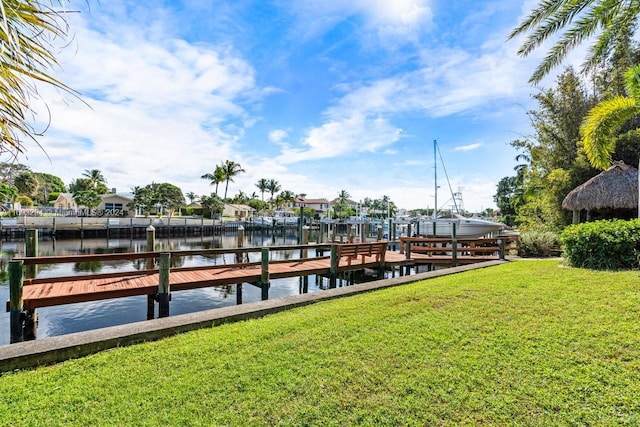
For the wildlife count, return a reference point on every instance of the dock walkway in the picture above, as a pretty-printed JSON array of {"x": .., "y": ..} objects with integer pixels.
[{"x": 28, "y": 294}]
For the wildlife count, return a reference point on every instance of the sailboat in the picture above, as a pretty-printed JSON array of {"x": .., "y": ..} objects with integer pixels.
[{"x": 454, "y": 224}]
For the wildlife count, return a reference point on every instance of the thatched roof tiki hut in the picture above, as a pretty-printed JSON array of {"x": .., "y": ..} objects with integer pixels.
[{"x": 612, "y": 194}]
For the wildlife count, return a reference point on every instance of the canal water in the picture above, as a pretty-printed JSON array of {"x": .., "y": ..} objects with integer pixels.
[{"x": 78, "y": 317}]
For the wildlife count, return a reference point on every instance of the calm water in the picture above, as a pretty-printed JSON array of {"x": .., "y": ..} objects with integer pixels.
[{"x": 70, "y": 318}]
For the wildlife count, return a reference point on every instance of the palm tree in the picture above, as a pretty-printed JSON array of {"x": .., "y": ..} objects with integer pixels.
[
  {"x": 612, "y": 18},
  {"x": 343, "y": 197},
  {"x": 191, "y": 196},
  {"x": 231, "y": 169},
  {"x": 600, "y": 127},
  {"x": 215, "y": 178},
  {"x": 287, "y": 196},
  {"x": 273, "y": 187},
  {"x": 28, "y": 37},
  {"x": 262, "y": 186},
  {"x": 96, "y": 177}
]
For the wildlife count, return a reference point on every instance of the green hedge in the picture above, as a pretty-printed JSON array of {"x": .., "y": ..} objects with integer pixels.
[{"x": 603, "y": 245}]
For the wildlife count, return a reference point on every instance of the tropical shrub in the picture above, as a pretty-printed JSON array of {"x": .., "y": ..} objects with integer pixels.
[
  {"x": 25, "y": 201},
  {"x": 603, "y": 245},
  {"x": 538, "y": 243}
]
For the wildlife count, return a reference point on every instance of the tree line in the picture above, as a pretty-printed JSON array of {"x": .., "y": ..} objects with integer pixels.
[{"x": 583, "y": 123}]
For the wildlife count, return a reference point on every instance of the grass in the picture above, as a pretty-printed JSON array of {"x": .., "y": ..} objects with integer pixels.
[{"x": 525, "y": 343}]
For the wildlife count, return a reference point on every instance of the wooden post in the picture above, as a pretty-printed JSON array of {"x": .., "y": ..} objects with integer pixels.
[
  {"x": 576, "y": 217},
  {"x": 164, "y": 285},
  {"x": 238, "y": 293},
  {"x": 151, "y": 244},
  {"x": 407, "y": 250},
  {"x": 15, "y": 301},
  {"x": 333, "y": 271},
  {"x": 240, "y": 236},
  {"x": 264, "y": 276},
  {"x": 502, "y": 248},
  {"x": 352, "y": 233},
  {"x": 454, "y": 245},
  {"x": 31, "y": 250},
  {"x": 379, "y": 232},
  {"x": 454, "y": 252},
  {"x": 418, "y": 228},
  {"x": 409, "y": 230},
  {"x": 333, "y": 233},
  {"x": 30, "y": 317}
]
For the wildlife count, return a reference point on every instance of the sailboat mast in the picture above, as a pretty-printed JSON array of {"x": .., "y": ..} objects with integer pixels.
[{"x": 435, "y": 178}]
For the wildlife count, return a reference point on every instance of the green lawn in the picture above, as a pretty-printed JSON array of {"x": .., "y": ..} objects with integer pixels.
[{"x": 526, "y": 343}]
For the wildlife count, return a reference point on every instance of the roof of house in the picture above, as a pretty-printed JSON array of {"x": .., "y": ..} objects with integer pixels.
[
  {"x": 312, "y": 201},
  {"x": 239, "y": 207}
]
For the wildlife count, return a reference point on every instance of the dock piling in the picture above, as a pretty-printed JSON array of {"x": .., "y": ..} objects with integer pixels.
[
  {"x": 163, "y": 285},
  {"x": 151, "y": 244},
  {"x": 264, "y": 278},
  {"x": 15, "y": 301},
  {"x": 333, "y": 270}
]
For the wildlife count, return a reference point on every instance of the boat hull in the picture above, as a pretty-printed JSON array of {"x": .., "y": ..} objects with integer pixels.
[{"x": 464, "y": 228}]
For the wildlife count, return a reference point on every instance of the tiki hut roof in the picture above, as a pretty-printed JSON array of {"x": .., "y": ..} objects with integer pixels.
[{"x": 615, "y": 188}]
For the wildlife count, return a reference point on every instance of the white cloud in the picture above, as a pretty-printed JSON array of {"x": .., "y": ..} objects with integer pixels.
[
  {"x": 157, "y": 112},
  {"x": 278, "y": 135},
  {"x": 340, "y": 137},
  {"x": 468, "y": 147},
  {"x": 398, "y": 21}
]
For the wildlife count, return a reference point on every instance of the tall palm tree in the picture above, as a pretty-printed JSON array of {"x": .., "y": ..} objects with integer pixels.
[
  {"x": 191, "y": 196},
  {"x": 231, "y": 169},
  {"x": 273, "y": 187},
  {"x": 601, "y": 126},
  {"x": 262, "y": 186},
  {"x": 287, "y": 196},
  {"x": 343, "y": 197},
  {"x": 29, "y": 31},
  {"x": 610, "y": 18},
  {"x": 96, "y": 177},
  {"x": 215, "y": 178}
]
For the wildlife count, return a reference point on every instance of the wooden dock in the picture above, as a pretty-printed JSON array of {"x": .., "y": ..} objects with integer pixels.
[{"x": 28, "y": 294}]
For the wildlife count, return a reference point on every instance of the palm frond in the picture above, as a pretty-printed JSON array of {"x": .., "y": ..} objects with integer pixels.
[
  {"x": 600, "y": 126},
  {"x": 29, "y": 30}
]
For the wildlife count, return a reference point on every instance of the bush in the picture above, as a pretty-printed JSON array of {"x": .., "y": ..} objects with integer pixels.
[
  {"x": 25, "y": 201},
  {"x": 537, "y": 243},
  {"x": 603, "y": 245}
]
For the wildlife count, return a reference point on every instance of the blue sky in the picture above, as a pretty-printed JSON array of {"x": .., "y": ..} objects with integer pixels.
[{"x": 319, "y": 95}]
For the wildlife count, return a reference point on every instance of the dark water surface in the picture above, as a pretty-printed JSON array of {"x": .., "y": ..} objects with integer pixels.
[{"x": 70, "y": 318}]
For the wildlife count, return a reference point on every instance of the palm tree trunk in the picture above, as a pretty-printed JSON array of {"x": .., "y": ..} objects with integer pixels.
[{"x": 225, "y": 189}]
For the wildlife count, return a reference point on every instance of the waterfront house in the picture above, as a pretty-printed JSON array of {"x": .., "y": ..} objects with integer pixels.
[
  {"x": 321, "y": 206},
  {"x": 112, "y": 205},
  {"x": 237, "y": 211},
  {"x": 65, "y": 201},
  {"x": 116, "y": 205}
]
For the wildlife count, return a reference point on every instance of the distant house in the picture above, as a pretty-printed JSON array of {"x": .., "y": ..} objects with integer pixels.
[
  {"x": 65, "y": 201},
  {"x": 237, "y": 211},
  {"x": 112, "y": 204},
  {"x": 321, "y": 206}
]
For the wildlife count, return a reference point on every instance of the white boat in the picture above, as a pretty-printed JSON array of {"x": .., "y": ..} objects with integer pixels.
[
  {"x": 265, "y": 221},
  {"x": 281, "y": 217},
  {"x": 444, "y": 226},
  {"x": 464, "y": 227}
]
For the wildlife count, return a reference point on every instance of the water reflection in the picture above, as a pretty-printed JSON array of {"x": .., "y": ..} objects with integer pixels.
[{"x": 91, "y": 315}]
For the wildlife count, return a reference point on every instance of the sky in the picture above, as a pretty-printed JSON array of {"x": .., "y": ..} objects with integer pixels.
[{"x": 322, "y": 96}]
